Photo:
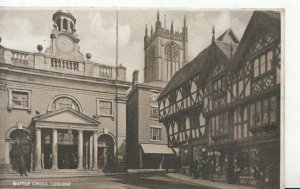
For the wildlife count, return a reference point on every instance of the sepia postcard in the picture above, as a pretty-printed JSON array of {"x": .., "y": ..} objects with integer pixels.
[{"x": 141, "y": 98}]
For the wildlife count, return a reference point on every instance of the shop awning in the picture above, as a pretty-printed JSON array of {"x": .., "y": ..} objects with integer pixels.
[{"x": 156, "y": 149}]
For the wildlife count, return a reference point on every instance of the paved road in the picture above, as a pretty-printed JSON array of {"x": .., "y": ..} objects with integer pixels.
[{"x": 155, "y": 180}]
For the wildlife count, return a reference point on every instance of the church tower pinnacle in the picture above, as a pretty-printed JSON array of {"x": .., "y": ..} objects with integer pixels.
[{"x": 166, "y": 50}]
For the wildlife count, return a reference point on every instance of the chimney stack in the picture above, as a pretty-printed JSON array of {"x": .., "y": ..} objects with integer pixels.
[{"x": 135, "y": 77}]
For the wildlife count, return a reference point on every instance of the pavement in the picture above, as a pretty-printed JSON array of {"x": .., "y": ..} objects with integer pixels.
[
  {"x": 208, "y": 183},
  {"x": 135, "y": 178}
]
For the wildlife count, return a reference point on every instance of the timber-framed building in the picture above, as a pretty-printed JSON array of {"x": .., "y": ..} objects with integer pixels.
[{"x": 222, "y": 109}]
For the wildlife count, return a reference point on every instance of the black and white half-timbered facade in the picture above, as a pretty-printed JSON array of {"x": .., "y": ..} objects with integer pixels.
[{"x": 222, "y": 109}]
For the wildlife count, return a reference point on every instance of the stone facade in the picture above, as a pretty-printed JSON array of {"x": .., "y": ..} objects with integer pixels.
[
  {"x": 60, "y": 101},
  {"x": 165, "y": 53}
]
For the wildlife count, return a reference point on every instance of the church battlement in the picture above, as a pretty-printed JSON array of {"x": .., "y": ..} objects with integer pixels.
[
  {"x": 166, "y": 51},
  {"x": 164, "y": 32}
]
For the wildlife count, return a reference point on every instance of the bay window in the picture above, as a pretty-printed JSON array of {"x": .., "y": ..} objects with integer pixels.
[{"x": 263, "y": 112}]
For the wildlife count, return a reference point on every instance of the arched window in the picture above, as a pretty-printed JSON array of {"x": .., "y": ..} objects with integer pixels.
[
  {"x": 65, "y": 24},
  {"x": 172, "y": 55},
  {"x": 58, "y": 25},
  {"x": 64, "y": 102}
]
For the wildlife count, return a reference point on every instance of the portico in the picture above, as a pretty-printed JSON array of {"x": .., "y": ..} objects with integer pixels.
[{"x": 63, "y": 140}]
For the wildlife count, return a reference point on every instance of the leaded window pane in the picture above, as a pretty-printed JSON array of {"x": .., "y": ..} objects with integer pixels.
[
  {"x": 265, "y": 111},
  {"x": 269, "y": 60},
  {"x": 256, "y": 68},
  {"x": 262, "y": 64},
  {"x": 252, "y": 115},
  {"x": 273, "y": 109},
  {"x": 258, "y": 113},
  {"x": 245, "y": 130}
]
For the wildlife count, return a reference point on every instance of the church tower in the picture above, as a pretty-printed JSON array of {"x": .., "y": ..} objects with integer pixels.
[{"x": 166, "y": 51}]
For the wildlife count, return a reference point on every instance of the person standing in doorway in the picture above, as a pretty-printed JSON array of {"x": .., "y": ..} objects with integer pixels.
[{"x": 22, "y": 166}]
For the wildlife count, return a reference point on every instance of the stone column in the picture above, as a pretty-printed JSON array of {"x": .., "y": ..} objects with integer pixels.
[
  {"x": 54, "y": 149},
  {"x": 80, "y": 150},
  {"x": 91, "y": 152},
  {"x": 95, "y": 140},
  {"x": 38, "y": 150}
]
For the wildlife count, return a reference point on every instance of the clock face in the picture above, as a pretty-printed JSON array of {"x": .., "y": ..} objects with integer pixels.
[{"x": 65, "y": 44}]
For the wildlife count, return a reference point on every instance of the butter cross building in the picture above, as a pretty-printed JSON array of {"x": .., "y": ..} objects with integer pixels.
[{"x": 58, "y": 108}]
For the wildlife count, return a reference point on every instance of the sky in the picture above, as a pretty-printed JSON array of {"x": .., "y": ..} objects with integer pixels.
[{"x": 24, "y": 29}]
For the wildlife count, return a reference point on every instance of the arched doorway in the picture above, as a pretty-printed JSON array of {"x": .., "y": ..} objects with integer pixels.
[
  {"x": 20, "y": 145},
  {"x": 105, "y": 151}
]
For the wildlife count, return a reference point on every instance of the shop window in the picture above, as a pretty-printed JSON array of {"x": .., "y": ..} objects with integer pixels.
[
  {"x": 153, "y": 112},
  {"x": 155, "y": 133},
  {"x": 104, "y": 107},
  {"x": 19, "y": 99}
]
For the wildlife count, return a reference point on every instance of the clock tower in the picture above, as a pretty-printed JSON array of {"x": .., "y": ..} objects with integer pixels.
[{"x": 64, "y": 40}]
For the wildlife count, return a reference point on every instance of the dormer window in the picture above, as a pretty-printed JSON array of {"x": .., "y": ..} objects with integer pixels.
[{"x": 219, "y": 85}]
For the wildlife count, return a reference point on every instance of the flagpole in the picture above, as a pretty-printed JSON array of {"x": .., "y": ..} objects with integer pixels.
[{"x": 117, "y": 70}]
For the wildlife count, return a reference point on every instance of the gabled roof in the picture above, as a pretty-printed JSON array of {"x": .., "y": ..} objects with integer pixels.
[
  {"x": 66, "y": 115},
  {"x": 228, "y": 33},
  {"x": 202, "y": 61},
  {"x": 259, "y": 21}
]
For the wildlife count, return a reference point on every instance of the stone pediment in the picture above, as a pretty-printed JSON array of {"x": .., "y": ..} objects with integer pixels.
[{"x": 66, "y": 115}]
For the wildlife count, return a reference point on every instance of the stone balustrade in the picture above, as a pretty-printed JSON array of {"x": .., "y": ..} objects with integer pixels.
[
  {"x": 64, "y": 64},
  {"x": 106, "y": 71},
  {"x": 41, "y": 61}
]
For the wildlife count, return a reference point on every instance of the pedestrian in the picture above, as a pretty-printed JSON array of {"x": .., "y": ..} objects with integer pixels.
[
  {"x": 167, "y": 164},
  {"x": 195, "y": 168},
  {"x": 22, "y": 166}
]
